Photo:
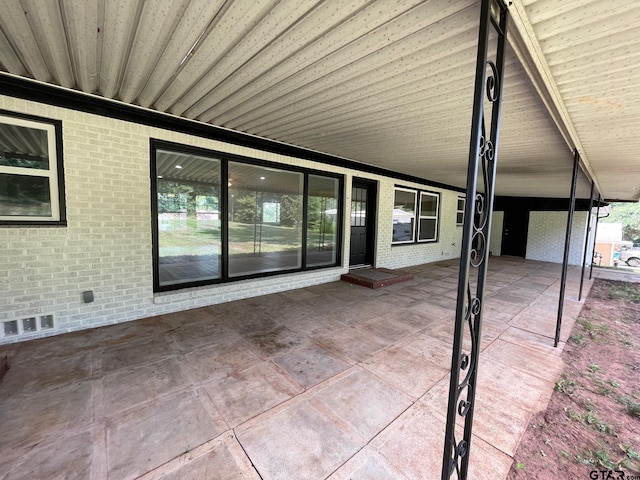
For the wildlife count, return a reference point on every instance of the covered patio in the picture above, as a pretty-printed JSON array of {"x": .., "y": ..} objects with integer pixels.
[{"x": 330, "y": 381}]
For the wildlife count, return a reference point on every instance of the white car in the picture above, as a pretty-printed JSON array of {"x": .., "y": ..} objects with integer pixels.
[{"x": 631, "y": 257}]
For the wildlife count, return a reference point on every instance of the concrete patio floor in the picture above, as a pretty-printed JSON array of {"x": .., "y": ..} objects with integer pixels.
[{"x": 333, "y": 381}]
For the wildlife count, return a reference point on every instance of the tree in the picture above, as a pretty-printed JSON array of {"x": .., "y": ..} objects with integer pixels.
[
  {"x": 629, "y": 215},
  {"x": 291, "y": 210},
  {"x": 245, "y": 208},
  {"x": 181, "y": 196}
]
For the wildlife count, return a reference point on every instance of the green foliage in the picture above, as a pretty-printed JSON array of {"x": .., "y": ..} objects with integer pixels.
[
  {"x": 629, "y": 451},
  {"x": 594, "y": 330},
  {"x": 577, "y": 339},
  {"x": 245, "y": 209},
  {"x": 291, "y": 210},
  {"x": 318, "y": 219},
  {"x": 592, "y": 419},
  {"x": 565, "y": 385},
  {"x": 586, "y": 457},
  {"x": 248, "y": 208},
  {"x": 602, "y": 457},
  {"x": 624, "y": 291},
  {"x": 633, "y": 409},
  {"x": 573, "y": 415},
  {"x": 594, "y": 367},
  {"x": 186, "y": 197},
  {"x": 629, "y": 215},
  {"x": 606, "y": 388},
  {"x": 599, "y": 458}
]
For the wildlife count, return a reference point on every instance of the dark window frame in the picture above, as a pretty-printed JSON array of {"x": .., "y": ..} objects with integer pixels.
[
  {"x": 416, "y": 227},
  {"x": 225, "y": 158},
  {"x": 460, "y": 211},
  {"x": 416, "y": 196},
  {"x": 61, "y": 220}
]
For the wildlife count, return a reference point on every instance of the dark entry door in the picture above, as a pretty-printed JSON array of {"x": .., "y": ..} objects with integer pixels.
[
  {"x": 514, "y": 233},
  {"x": 363, "y": 203}
]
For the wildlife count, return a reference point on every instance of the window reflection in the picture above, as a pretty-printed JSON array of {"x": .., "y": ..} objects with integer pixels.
[
  {"x": 404, "y": 213},
  {"x": 322, "y": 221},
  {"x": 265, "y": 219},
  {"x": 189, "y": 243}
]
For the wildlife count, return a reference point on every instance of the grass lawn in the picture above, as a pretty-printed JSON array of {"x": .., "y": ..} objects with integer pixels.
[{"x": 188, "y": 239}]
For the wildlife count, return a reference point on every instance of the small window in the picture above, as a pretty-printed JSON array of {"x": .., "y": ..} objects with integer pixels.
[
  {"x": 31, "y": 175},
  {"x": 358, "y": 207},
  {"x": 460, "y": 211},
  {"x": 428, "y": 221},
  {"x": 404, "y": 216}
]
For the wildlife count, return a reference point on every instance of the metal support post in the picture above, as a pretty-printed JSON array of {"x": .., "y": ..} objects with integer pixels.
[
  {"x": 483, "y": 151},
  {"x": 586, "y": 240},
  {"x": 567, "y": 242},
  {"x": 595, "y": 234}
]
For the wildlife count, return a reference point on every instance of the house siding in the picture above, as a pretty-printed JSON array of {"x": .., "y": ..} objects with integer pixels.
[{"x": 106, "y": 246}]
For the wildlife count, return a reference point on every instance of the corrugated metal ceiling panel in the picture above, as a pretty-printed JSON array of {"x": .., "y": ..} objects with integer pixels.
[
  {"x": 383, "y": 82},
  {"x": 593, "y": 52},
  {"x": 83, "y": 28}
]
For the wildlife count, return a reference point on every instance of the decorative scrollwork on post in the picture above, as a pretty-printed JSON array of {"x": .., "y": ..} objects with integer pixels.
[{"x": 475, "y": 244}]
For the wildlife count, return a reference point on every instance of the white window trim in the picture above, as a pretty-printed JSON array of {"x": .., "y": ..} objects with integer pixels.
[
  {"x": 413, "y": 229},
  {"x": 428, "y": 217},
  {"x": 51, "y": 173}
]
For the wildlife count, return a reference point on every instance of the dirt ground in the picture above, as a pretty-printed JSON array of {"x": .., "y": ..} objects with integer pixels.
[{"x": 591, "y": 428}]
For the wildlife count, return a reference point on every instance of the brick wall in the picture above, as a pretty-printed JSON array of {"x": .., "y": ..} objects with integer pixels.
[
  {"x": 106, "y": 246},
  {"x": 545, "y": 240},
  {"x": 404, "y": 255}
]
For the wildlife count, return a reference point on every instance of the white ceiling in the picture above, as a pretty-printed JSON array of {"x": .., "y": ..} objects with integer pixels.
[{"x": 387, "y": 82}]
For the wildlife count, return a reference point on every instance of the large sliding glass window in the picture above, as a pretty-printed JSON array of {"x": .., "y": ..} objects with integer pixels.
[
  {"x": 219, "y": 217},
  {"x": 322, "y": 220},
  {"x": 265, "y": 229},
  {"x": 188, "y": 204}
]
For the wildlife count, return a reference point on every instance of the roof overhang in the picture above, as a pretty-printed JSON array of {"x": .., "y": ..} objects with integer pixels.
[{"x": 386, "y": 85}]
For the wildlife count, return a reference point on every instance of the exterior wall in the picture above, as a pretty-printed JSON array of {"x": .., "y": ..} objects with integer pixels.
[
  {"x": 606, "y": 250},
  {"x": 106, "y": 245},
  {"x": 495, "y": 245},
  {"x": 404, "y": 255},
  {"x": 545, "y": 240},
  {"x": 592, "y": 237}
]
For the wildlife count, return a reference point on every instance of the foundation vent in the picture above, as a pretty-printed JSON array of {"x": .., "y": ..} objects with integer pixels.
[{"x": 27, "y": 325}]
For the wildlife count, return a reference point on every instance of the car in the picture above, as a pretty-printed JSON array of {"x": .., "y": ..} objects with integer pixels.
[{"x": 631, "y": 257}]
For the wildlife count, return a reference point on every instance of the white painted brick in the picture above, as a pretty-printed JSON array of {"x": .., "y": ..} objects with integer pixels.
[
  {"x": 547, "y": 230},
  {"x": 106, "y": 245},
  {"x": 399, "y": 256}
]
